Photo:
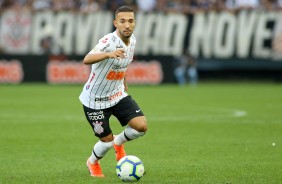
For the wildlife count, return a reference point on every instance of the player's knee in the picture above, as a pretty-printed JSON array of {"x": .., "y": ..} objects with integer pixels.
[
  {"x": 108, "y": 138},
  {"x": 143, "y": 127},
  {"x": 134, "y": 132}
]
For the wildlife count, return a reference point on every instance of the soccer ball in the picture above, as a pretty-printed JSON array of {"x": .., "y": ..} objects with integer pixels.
[{"x": 130, "y": 168}]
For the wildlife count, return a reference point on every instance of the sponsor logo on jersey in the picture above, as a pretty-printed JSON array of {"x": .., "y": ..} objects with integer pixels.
[
  {"x": 109, "y": 98},
  {"x": 118, "y": 67}
]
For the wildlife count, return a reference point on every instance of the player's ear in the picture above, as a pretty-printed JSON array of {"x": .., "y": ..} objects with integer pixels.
[{"x": 115, "y": 23}]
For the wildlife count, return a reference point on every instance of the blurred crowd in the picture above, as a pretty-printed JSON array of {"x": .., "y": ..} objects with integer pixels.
[{"x": 165, "y": 6}]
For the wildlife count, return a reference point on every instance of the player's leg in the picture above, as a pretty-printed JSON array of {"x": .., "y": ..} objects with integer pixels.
[
  {"x": 136, "y": 127},
  {"x": 128, "y": 113},
  {"x": 99, "y": 121},
  {"x": 93, "y": 164},
  {"x": 101, "y": 148}
]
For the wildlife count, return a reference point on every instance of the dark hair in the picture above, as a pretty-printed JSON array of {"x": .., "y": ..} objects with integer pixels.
[{"x": 124, "y": 9}]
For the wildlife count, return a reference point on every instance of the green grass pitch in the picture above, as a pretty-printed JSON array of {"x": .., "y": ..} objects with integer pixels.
[{"x": 216, "y": 133}]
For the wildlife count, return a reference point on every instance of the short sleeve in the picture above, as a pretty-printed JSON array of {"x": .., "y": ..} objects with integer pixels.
[{"x": 103, "y": 45}]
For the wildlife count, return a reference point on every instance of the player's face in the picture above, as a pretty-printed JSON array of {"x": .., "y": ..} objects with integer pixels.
[{"x": 125, "y": 23}]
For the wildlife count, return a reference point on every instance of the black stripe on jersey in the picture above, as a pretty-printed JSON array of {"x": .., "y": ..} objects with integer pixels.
[
  {"x": 98, "y": 66},
  {"x": 114, "y": 81},
  {"x": 125, "y": 63},
  {"x": 111, "y": 82},
  {"x": 122, "y": 65},
  {"x": 117, "y": 82},
  {"x": 104, "y": 79},
  {"x": 110, "y": 86},
  {"x": 115, "y": 85},
  {"x": 106, "y": 84}
]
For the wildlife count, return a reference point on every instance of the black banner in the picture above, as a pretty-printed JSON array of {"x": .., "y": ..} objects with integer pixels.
[{"x": 61, "y": 69}]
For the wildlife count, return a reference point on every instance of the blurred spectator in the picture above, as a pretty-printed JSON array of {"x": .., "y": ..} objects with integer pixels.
[
  {"x": 217, "y": 5},
  {"x": 88, "y": 6},
  {"x": 38, "y": 5},
  {"x": 278, "y": 4},
  {"x": 7, "y": 4},
  {"x": 238, "y": 5},
  {"x": 114, "y": 4},
  {"x": 186, "y": 67},
  {"x": 192, "y": 70},
  {"x": 103, "y": 4},
  {"x": 16, "y": 5},
  {"x": 63, "y": 5},
  {"x": 132, "y": 4},
  {"x": 267, "y": 5},
  {"x": 230, "y": 5},
  {"x": 23, "y": 4},
  {"x": 200, "y": 5},
  {"x": 47, "y": 41},
  {"x": 46, "y": 44},
  {"x": 247, "y": 4},
  {"x": 189, "y": 6},
  {"x": 146, "y": 5},
  {"x": 161, "y": 5},
  {"x": 174, "y": 6}
]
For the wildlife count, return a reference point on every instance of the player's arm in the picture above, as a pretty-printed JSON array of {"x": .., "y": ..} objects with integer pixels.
[
  {"x": 94, "y": 57},
  {"x": 125, "y": 84}
]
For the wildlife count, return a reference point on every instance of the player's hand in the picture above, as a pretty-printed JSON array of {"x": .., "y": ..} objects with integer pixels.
[{"x": 119, "y": 54}]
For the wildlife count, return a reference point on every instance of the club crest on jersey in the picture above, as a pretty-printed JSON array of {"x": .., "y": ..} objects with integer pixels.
[{"x": 98, "y": 127}]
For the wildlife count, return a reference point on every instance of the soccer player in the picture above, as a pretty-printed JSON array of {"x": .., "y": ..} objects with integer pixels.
[{"x": 105, "y": 92}]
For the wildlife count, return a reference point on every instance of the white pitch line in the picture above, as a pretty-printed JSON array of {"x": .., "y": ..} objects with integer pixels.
[{"x": 240, "y": 113}]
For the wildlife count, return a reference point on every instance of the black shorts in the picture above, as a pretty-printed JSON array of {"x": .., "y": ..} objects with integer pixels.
[{"x": 124, "y": 111}]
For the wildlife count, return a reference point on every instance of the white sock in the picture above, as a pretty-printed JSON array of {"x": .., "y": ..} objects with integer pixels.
[
  {"x": 100, "y": 149},
  {"x": 120, "y": 139},
  {"x": 126, "y": 135}
]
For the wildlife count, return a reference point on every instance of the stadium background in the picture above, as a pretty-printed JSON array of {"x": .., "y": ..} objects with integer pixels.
[
  {"x": 227, "y": 129},
  {"x": 45, "y": 41}
]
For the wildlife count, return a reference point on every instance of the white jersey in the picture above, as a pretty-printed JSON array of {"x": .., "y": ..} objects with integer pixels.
[{"x": 105, "y": 87}]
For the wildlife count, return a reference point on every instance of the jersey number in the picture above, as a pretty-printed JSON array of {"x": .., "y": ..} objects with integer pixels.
[{"x": 113, "y": 75}]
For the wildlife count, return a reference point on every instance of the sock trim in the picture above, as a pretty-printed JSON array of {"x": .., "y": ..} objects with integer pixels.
[
  {"x": 126, "y": 136},
  {"x": 98, "y": 158}
]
